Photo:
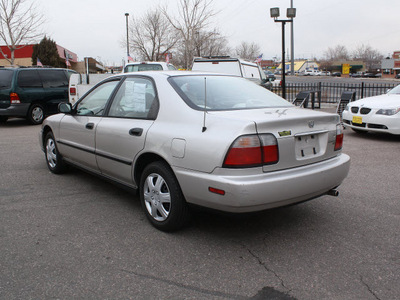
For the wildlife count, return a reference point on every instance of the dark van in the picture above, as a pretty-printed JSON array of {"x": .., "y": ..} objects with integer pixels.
[{"x": 32, "y": 93}]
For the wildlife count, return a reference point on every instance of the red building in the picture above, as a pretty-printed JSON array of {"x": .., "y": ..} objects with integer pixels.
[{"x": 23, "y": 56}]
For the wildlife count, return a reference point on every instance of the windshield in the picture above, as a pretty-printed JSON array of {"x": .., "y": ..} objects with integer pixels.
[
  {"x": 5, "y": 78},
  {"x": 224, "y": 93},
  {"x": 395, "y": 90}
]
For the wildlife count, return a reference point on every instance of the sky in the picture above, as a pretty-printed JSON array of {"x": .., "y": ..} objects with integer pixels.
[{"x": 96, "y": 28}]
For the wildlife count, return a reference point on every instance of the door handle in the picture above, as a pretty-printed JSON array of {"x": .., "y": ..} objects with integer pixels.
[
  {"x": 136, "y": 131},
  {"x": 89, "y": 126}
]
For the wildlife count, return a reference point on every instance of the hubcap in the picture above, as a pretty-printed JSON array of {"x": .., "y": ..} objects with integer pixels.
[
  {"x": 37, "y": 114},
  {"x": 51, "y": 153},
  {"x": 157, "y": 197}
]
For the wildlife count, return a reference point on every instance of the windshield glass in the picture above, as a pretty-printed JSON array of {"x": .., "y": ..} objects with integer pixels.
[
  {"x": 224, "y": 93},
  {"x": 395, "y": 90},
  {"x": 5, "y": 78}
]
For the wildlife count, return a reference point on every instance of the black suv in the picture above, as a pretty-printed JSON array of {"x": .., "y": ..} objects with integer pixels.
[{"x": 32, "y": 93}]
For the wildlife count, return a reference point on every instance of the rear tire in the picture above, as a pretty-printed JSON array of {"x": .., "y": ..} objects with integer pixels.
[
  {"x": 162, "y": 199},
  {"x": 36, "y": 114},
  {"x": 54, "y": 159},
  {"x": 3, "y": 119}
]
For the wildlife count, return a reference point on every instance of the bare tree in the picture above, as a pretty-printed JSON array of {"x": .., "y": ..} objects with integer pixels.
[
  {"x": 371, "y": 57},
  {"x": 19, "y": 25},
  {"x": 211, "y": 43},
  {"x": 152, "y": 36},
  {"x": 249, "y": 51},
  {"x": 338, "y": 53},
  {"x": 194, "y": 17}
]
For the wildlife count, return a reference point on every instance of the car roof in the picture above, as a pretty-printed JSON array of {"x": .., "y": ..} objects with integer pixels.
[{"x": 174, "y": 73}]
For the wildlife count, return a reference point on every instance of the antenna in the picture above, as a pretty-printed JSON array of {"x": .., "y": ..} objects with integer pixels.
[{"x": 205, "y": 105}]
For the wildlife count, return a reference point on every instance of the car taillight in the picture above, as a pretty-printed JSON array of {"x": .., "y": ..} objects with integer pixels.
[
  {"x": 72, "y": 91},
  {"x": 339, "y": 137},
  {"x": 14, "y": 98},
  {"x": 252, "y": 151}
]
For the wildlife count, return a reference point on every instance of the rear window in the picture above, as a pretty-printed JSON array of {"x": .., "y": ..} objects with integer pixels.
[
  {"x": 224, "y": 93},
  {"x": 143, "y": 67},
  {"x": 53, "y": 78},
  {"x": 5, "y": 78},
  {"x": 29, "y": 79}
]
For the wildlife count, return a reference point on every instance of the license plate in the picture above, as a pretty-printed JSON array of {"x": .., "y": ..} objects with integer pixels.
[
  {"x": 357, "y": 120},
  {"x": 307, "y": 146}
]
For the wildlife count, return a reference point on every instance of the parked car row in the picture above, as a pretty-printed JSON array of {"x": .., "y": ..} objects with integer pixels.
[{"x": 365, "y": 75}]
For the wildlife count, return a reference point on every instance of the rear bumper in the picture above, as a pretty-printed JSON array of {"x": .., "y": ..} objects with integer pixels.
[
  {"x": 15, "y": 110},
  {"x": 255, "y": 192}
]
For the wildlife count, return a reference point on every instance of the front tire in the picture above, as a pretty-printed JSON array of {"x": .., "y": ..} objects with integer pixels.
[
  {"x": 36, "y": 114},
  {"x": 3, "y": 119},
  {"x": 162, "y": 199},
  {"x": 54, "y": 159}
]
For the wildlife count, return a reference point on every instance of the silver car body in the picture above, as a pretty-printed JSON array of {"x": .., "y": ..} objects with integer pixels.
[{"x": 194, "y": 144}]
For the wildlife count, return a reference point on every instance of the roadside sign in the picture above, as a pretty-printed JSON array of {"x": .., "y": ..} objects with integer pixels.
[{"x": 345, "y": 69}]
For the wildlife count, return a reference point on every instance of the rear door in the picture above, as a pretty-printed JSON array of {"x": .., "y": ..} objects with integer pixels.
[
  {"x": 77, "y": 131},
  {"x": 121, "y": 135},
  {"x": 29, "y": 86},
  {"x": 6, "y": 77},
  {"x": 55, "y": 88}
]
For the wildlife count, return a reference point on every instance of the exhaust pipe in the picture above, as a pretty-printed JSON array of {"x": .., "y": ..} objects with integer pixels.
[{"x": 333, "y": 193}]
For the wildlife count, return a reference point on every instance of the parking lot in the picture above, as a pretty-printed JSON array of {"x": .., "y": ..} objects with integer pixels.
[{"x": 78, "y": 236}]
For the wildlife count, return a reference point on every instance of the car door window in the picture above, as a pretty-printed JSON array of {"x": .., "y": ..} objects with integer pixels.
[
  {"x": 95, "y": 102},
  {"x": 136, "y": 99},
  {"x": 29, "y": 79},
  {"x": 53, "y": 78}
]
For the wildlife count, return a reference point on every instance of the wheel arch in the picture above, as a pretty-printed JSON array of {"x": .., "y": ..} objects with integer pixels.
[
  {"x": 46, "y": 129},
  {"x": 144, "y": 160}
]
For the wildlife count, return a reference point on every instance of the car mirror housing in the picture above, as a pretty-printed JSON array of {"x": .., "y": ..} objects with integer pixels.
[{"x": 65, "y": 108}]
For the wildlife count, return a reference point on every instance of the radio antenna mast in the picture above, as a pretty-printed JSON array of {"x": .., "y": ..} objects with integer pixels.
[{"x": 205, "y": 105}]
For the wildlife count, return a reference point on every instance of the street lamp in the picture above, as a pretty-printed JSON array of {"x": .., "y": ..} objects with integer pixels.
[
  {"x": 127, "y": 36},
  {"x": 290, "y": 13}
]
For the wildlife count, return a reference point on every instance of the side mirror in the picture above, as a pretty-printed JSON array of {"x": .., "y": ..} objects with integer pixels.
[{"x": 65, "y": 108}]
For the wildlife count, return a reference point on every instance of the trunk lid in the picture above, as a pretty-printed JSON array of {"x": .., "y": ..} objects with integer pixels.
[{"x": 304, "y": 136}]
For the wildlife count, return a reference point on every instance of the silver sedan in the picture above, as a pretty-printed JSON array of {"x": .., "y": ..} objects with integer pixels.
[{"x": 184, "y": 138}]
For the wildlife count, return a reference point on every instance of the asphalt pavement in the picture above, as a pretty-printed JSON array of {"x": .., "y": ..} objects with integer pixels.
[{"x": 76, "y": 236}]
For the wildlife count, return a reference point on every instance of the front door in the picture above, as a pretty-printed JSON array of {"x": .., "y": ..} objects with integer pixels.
[{"x": 78, "y": 130}]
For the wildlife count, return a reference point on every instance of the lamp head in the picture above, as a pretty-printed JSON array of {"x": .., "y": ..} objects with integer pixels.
[
  {"x": 291, "y": 13},
  {"x": 274, "y": 12}
]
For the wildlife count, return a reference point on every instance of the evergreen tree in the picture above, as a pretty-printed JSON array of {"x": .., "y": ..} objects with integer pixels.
[{"x": 47, "y": 53}]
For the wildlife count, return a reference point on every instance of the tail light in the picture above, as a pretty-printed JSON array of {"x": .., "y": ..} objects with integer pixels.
[
  {"x": 252, "y": 151},
  {"x": 14, "y": 98},
  {"x": 72, "y": 91},
  {"x": 339, "y": 137}
]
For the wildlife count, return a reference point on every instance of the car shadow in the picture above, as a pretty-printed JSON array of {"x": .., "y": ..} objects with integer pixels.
[
  {"x": 373, "y": 136},
  {"x": 15, "y": 122}
]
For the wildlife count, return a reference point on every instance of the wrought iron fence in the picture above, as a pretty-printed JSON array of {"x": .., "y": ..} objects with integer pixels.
[{"x": 330, "y": 92}]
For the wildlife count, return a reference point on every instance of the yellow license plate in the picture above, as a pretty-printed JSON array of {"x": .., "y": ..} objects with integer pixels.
[{"x": 357, "y": 120}]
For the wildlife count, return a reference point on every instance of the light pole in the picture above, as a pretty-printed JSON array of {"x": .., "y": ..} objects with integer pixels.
[
  {"x": 292, "y": 43},
  {"x": 290, "y": 13},
  {"x": 127, "y": 36}
]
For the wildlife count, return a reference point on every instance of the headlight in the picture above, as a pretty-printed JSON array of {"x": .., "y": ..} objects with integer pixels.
[
  {"x": 347, "y": 108},
  {"x": 388, "y": 112}
]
